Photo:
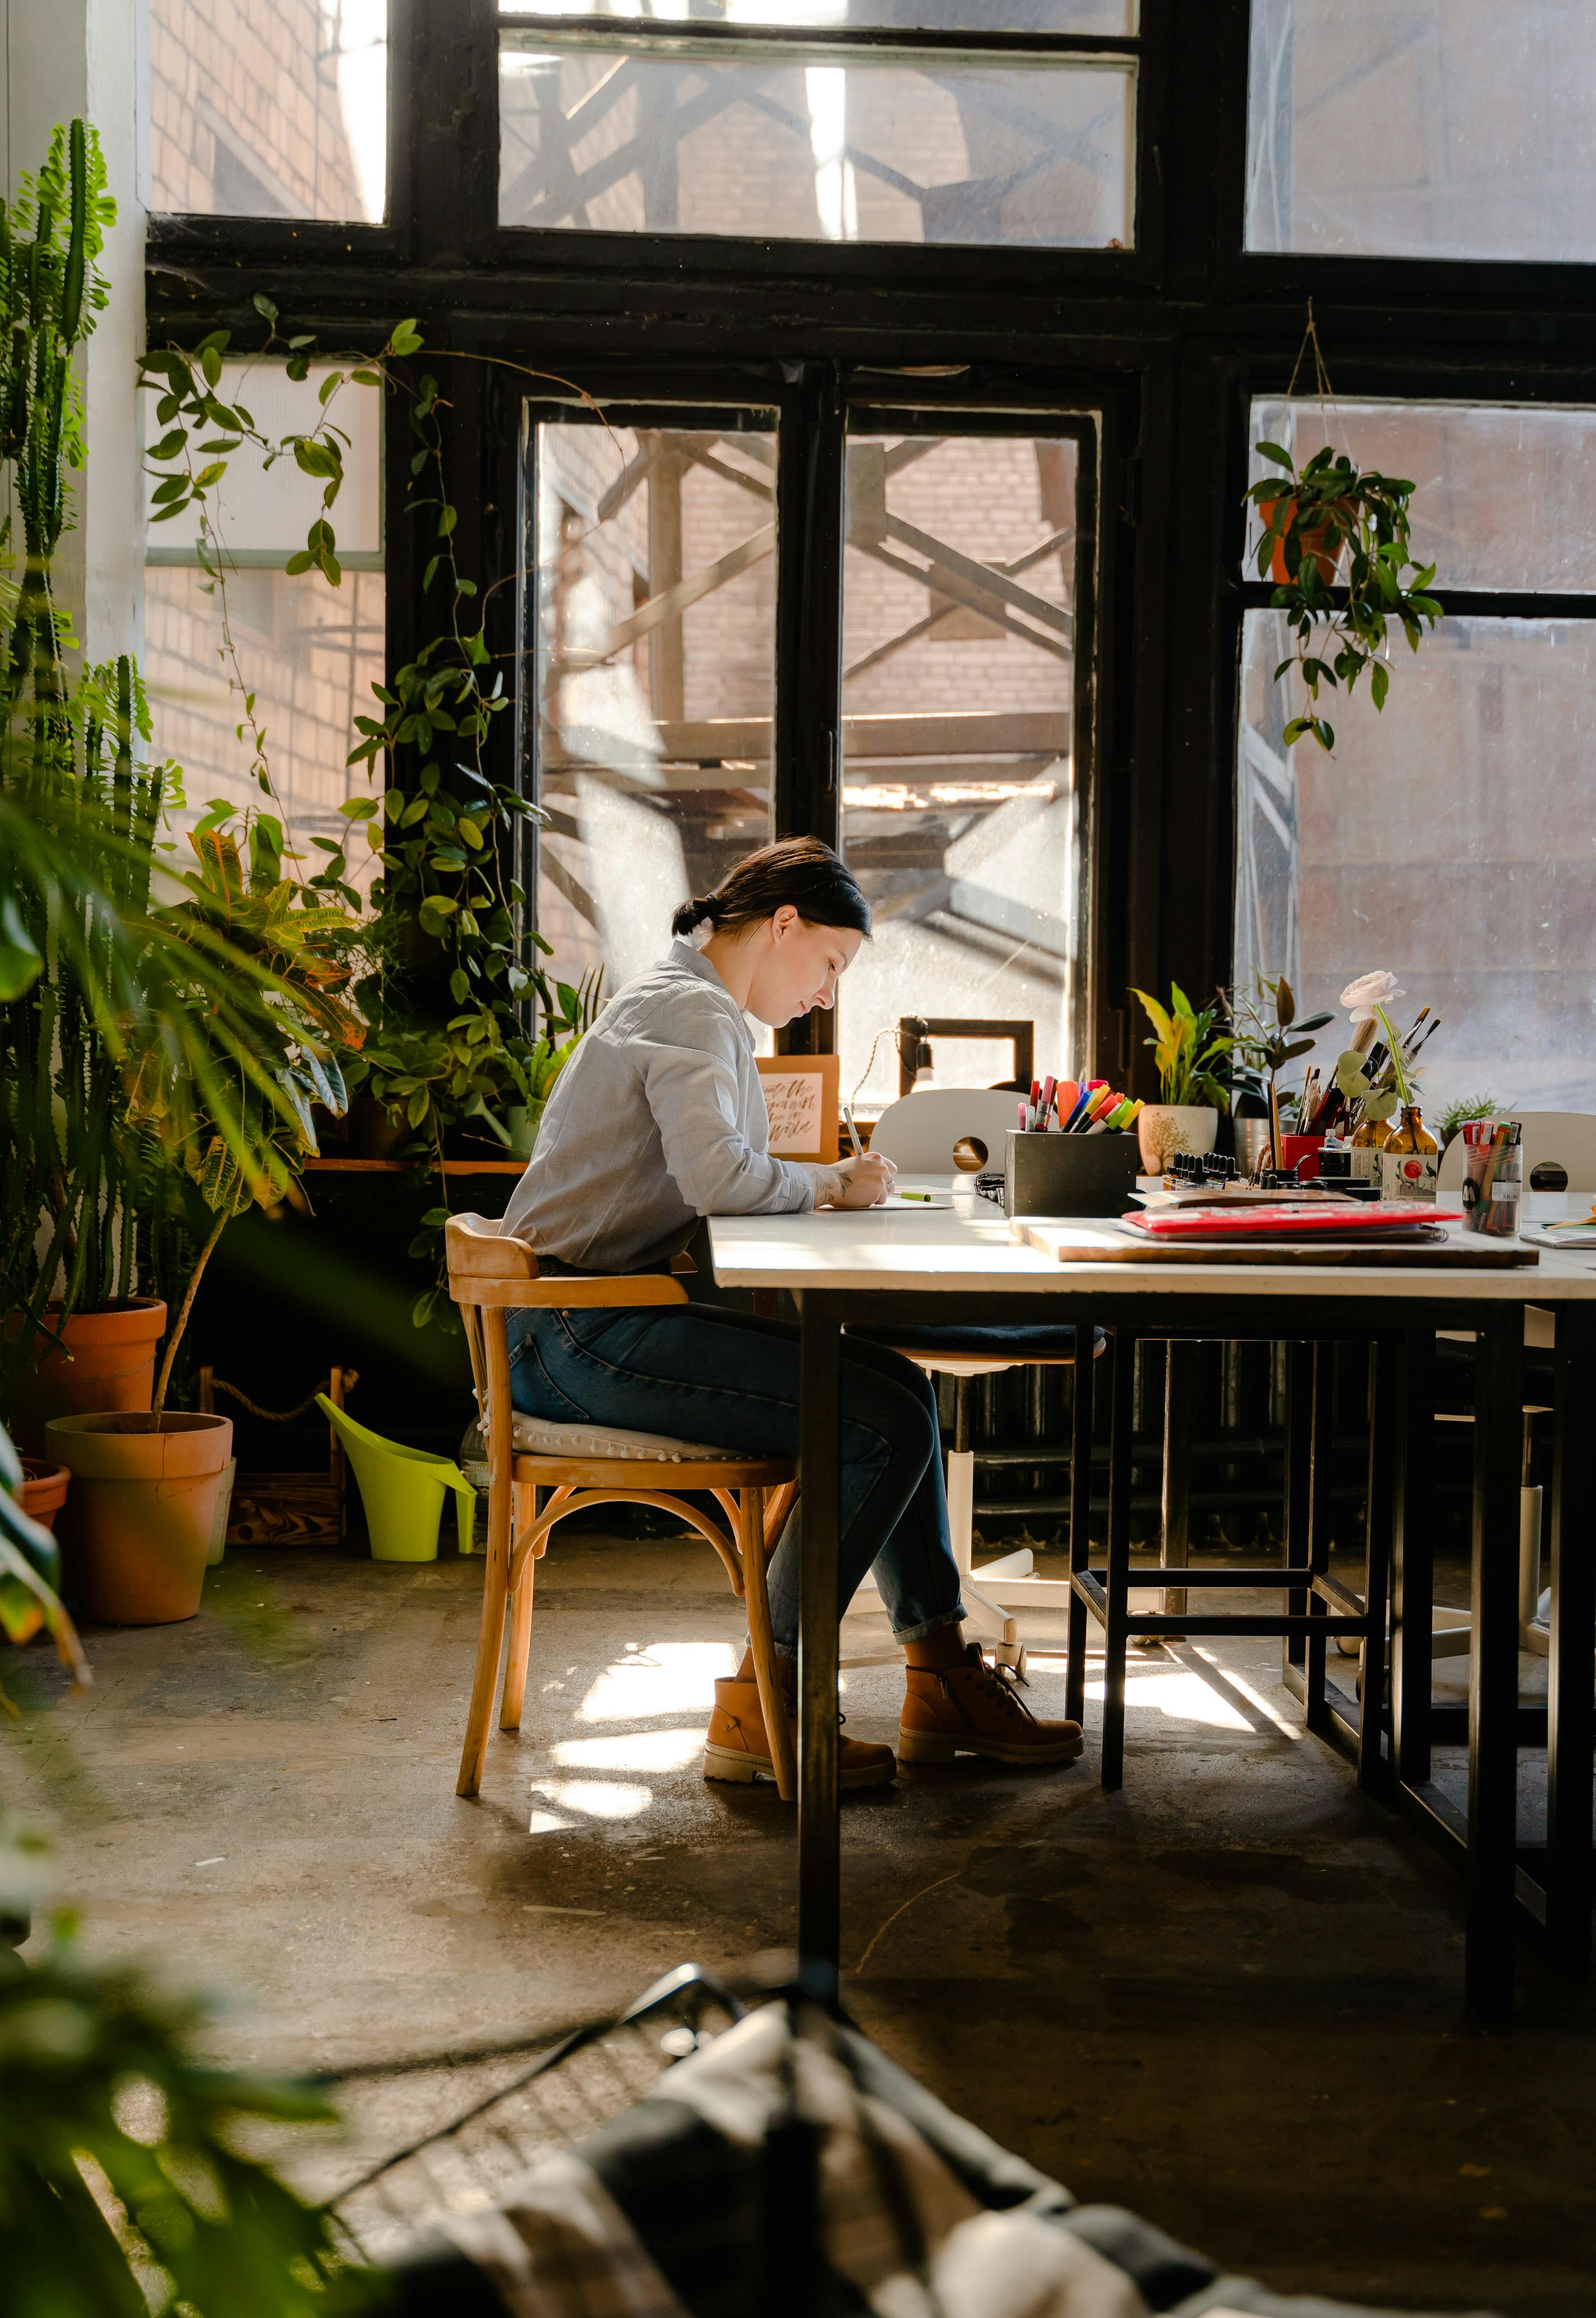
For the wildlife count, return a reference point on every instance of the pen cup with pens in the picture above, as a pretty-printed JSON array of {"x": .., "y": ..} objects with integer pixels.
[{"x": 1493, "y": 1171}]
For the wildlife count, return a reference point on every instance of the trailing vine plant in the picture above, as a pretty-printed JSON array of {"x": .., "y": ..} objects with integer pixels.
[{"x": 454, "y": 972}]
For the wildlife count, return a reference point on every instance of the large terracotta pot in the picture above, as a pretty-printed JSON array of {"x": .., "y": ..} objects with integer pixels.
[
  {"x": 142, "y": 1510},
  {"x": 111, "y": 1365},
  {"x": 43, "y": 1495}
]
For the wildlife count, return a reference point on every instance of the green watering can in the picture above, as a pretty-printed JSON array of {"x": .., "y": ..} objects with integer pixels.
[{"x": 402, "y": 1490}]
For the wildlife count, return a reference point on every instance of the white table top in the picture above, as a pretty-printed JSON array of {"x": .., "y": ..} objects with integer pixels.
[{"x": 970, "y": 1246}]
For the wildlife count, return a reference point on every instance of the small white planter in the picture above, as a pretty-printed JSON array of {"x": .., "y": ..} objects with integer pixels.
[{"x": 1162, "y": 1129}]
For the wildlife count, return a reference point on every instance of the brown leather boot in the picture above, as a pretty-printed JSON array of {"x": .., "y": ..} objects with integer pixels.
[
  {"x": 736, "y": 1747},
  {"x": 975, "y": 1709}
]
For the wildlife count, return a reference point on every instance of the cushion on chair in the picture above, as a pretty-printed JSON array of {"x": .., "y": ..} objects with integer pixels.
[
  {"x": 1018, "y": 1341},
  {"x": 542, "y": 1436}
]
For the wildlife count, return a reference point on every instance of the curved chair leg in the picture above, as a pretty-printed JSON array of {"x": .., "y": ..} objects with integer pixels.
[
  {"x": 773, "y": 1704},
  {"x": 520, "y": 1613},
  {"x": 496, "y": 1587}
]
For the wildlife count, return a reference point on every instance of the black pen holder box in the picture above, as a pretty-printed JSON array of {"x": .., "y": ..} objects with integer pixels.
[{"x": 1069, "y": 1174}]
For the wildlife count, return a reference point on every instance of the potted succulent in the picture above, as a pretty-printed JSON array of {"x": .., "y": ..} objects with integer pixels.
[
  {"x": 1190, "y": 1053},
  {"x": 1331, "y": 520}
]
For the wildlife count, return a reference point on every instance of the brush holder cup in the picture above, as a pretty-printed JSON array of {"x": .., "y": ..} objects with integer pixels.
[{"x": 1069, "y": 1174}]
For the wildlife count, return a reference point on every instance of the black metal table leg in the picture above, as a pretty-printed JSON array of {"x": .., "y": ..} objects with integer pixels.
[
  {"x": 1121, "y": 1440},
  {"x": 1181, "y": 1356},
  {"x": 1385, "y": 1361},
  {"x": 1571, "y": 1721},
  {"x": 1318, "y": 1716},
  {"x": 1079, "y": 1513},
  {"x": 1413, "y": 1562},
  {"x": 1301, "y": 1367},
  {"x": 1494, "y": 1668},
  {"x": 819, "y": 1863}
]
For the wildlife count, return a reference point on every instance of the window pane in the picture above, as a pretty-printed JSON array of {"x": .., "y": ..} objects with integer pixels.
[
  {"x": 958, "y": 695},
  {"x": 262, "y": 513},
  {"x": 1104, "y": 18},
  {"x": 655, "y": 638},
  {"x": 773, "y": 143},
  {"x": 269, "y": 108},
  {"x": 1451, "y": 840},
  {"x": 310, "y": 652},
  {"x": 1423, "y": 127},
  {"x": 1506, "y": 496}
]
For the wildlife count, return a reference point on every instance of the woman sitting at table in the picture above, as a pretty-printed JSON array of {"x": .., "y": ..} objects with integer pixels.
[{"x": 657, "y": 1119}]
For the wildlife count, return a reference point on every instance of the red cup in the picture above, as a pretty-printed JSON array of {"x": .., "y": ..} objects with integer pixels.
[{"x": 1299, "y": 1149}]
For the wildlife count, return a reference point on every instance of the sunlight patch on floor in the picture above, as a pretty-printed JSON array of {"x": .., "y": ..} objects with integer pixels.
[
  {"x": 659, "y": 1678},
  {"x": 593, "y": 1798},
  {"x": 1183, "y": 1697},
  {"x": 643, "y": 1751}
]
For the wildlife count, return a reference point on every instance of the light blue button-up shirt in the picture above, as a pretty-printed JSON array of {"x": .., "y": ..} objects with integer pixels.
[{"x": 657, "y": 1119}]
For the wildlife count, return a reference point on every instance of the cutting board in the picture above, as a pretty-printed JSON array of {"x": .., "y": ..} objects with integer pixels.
[{"x": 1082, "y": 1243}]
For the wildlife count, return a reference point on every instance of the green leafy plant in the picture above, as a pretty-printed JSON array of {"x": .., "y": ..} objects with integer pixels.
[
  {"x": 1189, "y": 1052},
  {"x": 1266, "y": 1035},
  {"x": 1457, "y": 1115},
  {"x": 124, "y": 2192},
  {"x": 30, "y": 1580},
  {"x": 1317, "y": 518}
]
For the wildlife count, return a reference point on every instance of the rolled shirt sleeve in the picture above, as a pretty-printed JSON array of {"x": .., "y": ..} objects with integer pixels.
[{"x": 713, "y": 1153}]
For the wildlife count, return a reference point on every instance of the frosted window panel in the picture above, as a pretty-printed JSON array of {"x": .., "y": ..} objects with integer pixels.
[
  {"x": 1104, "y": 18},
  {"x": 310, "y": 652},
  {"x": 833, "y": 147},
  {"x": 655, "y": 672},
  {"x": 1451, "y": 840},
  {"x": 958, "y": 715},
  {"x": 263, "y": 513},
  {"x": 269, "y": 108},
  {"x": 1506, "y": 496},
  {"x": 1423, "y": 127}
]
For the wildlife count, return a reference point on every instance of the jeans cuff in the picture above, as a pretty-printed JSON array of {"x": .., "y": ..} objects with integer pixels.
[{"x": 954, "y": 1617}]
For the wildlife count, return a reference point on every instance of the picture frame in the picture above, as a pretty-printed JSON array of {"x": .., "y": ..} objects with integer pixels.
[{"x": 800, "y": 1095}]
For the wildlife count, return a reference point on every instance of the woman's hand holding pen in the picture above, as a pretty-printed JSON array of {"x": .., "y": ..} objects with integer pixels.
[{"x": 862, "y": 1181}]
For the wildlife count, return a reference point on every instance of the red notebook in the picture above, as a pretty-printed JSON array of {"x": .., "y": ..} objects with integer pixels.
[{"x": 1348, "y": 1220}]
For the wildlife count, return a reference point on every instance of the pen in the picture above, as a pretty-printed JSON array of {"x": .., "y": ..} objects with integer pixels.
[
  {"x": 925, "y": 1196},
  {"x": 848, "y": 1112}
]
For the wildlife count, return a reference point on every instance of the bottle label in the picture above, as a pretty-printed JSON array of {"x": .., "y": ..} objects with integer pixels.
[
  {"x": 1409, "y": 1174},
  {"x": 1366, "y": 1164}
]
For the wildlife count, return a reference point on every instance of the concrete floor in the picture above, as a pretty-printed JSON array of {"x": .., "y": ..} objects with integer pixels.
[{"x": 1228, "y": 1998}]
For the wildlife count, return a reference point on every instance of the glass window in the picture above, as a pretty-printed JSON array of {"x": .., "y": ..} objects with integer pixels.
[
  {"x": 310, "y": 654},
  {"x": 827, "y": 144},
  {"x": 1451, "y": 839},
  {"x": 269, "y": 108},
  {"x": 1506, "y": 495},
  {"x": 958, "y": 763},
  {"x": 655, "y": 615},
  {"x": 1104, "y": 18},
  {"x": 1423, "y": 127}
]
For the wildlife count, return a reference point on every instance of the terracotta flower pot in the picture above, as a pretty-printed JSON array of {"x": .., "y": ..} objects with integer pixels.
[
  {"x": 111, "y": 1365},
  {"x": 41, "y": 1497},
  {"x": 1312, "y": 541},
  {"x": 142, "y": 1510}
]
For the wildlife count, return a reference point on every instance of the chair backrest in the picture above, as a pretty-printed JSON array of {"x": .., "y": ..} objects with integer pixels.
[
  {"x": 919, "y": 1132},
  {"x": 1563, "y": 1138}
]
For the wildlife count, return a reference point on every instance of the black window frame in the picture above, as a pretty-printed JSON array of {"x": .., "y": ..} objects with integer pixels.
[{"x": 1172, "y": 339}]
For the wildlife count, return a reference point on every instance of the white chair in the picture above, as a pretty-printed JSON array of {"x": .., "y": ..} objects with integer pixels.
[
  {"x": 953, "y": 1131},
  {"x": 946, "y": 1131}
]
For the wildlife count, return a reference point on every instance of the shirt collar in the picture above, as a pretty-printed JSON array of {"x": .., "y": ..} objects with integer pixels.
[{"x": 693, "y": 961}]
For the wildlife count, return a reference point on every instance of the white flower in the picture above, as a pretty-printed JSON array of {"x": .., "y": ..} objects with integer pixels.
[{"x": 1370, "y": 990}]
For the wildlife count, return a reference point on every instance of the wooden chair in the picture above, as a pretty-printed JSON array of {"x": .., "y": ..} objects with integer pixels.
[{"x": 489, "y": 1275}]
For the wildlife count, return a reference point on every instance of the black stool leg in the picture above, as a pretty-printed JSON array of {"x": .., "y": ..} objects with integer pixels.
[
  {"x": 1080, "y": 1517},
  {"x": 1571, "y": 1725},
  {"x": 1122, "y": 1411},
  {"x": 1181, "y": 1354},
  {"x": 1494, "y": 1668},
  {"x": 1321, "y": 1415},
  {"x": 1382, "y": 1461}
]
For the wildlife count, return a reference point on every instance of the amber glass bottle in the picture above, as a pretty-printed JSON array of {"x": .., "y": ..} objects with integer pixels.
[
  {"x": 1410, "y": 1158},
  {"x": 1369, "y": 1140}
]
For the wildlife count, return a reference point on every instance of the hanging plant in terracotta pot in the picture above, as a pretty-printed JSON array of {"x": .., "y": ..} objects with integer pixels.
[{"x": 1336, "y": 541}]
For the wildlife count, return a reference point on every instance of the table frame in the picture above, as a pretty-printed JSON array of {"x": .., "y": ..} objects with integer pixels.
[{"x": 1499, "y": 1886}]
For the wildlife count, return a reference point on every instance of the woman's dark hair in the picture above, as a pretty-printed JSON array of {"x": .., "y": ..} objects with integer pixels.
[{"x": 800, "y": 871}]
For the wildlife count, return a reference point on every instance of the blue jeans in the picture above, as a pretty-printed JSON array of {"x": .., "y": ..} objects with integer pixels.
[{"x": 708, "y": 1375}]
